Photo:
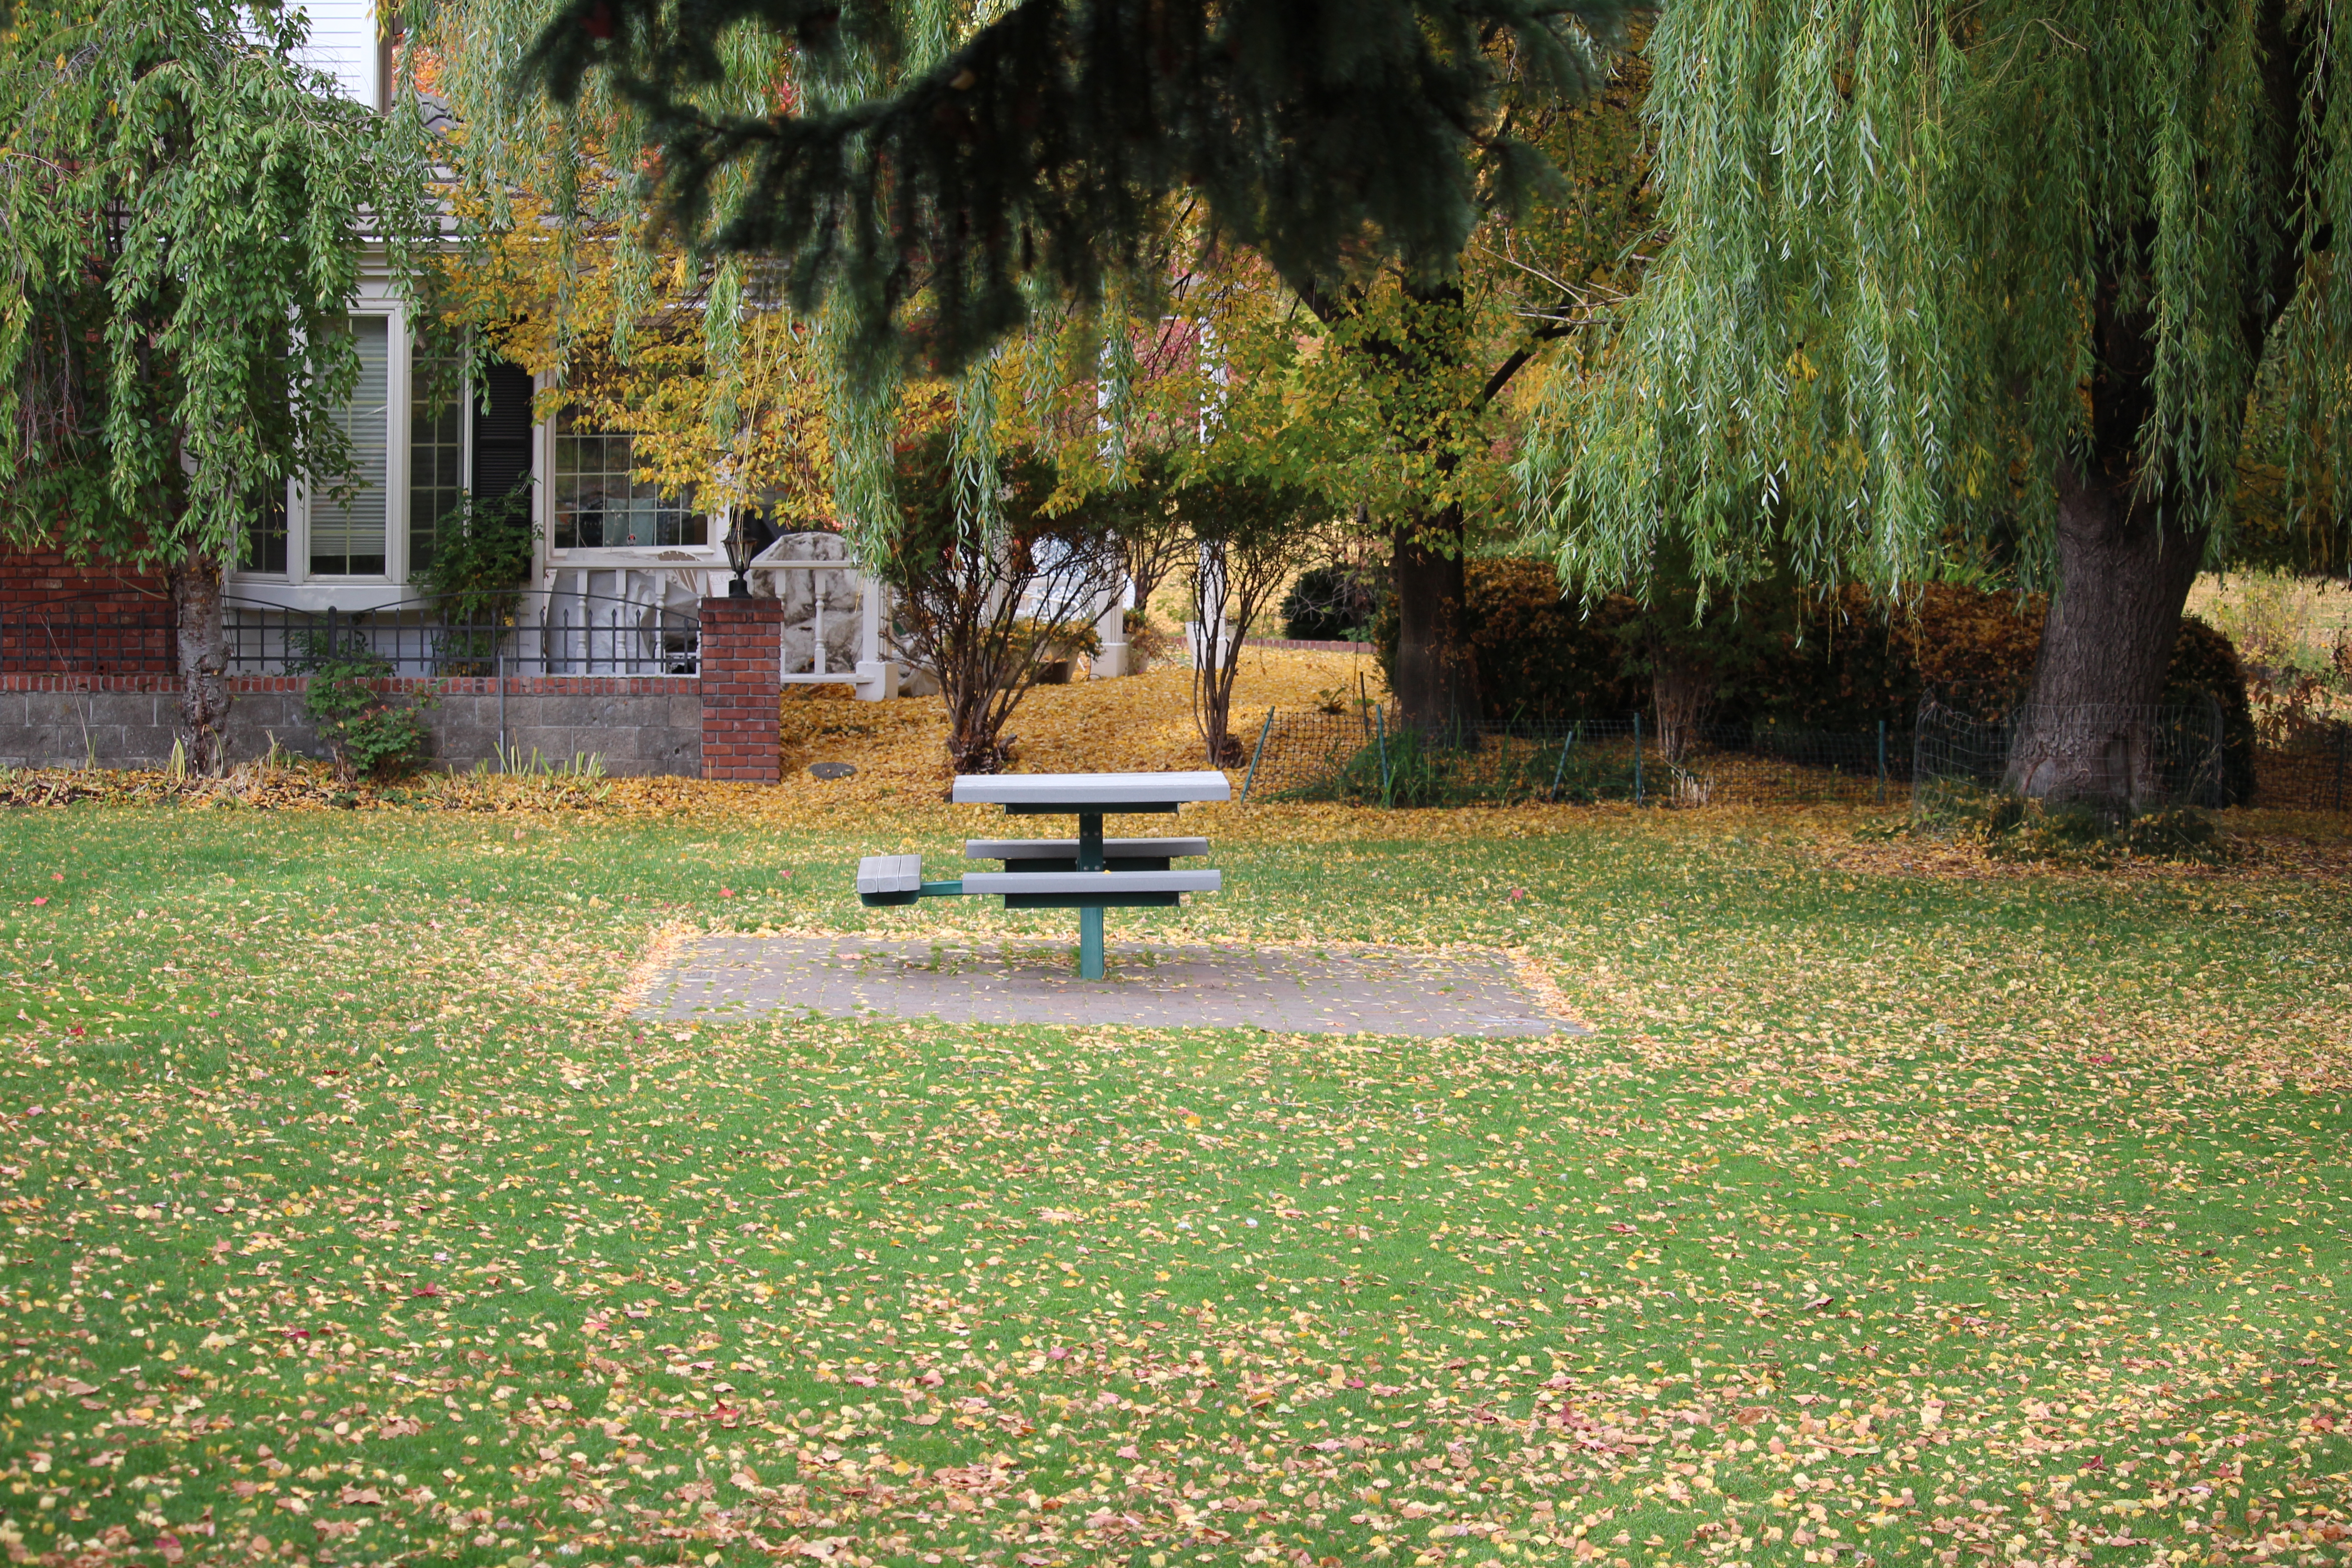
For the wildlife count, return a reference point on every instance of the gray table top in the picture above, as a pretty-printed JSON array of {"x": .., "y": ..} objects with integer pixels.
[{"x": 1075, "y": 792}]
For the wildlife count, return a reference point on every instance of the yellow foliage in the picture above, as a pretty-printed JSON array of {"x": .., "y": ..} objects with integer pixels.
[{"x": 718, "y": 387}]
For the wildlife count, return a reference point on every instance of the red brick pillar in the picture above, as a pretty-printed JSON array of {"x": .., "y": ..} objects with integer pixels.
[{"x": 741, "y": 654}]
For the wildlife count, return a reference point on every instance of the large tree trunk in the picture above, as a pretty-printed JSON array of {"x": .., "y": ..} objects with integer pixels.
[
  {"x": 1436, "y": 677},
  {"x": 2125, "y": 561},
  {"x": 2089, "y": 731},
  {"x": 202, "y": 654}
]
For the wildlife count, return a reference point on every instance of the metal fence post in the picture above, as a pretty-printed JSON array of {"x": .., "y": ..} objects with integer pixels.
[
  {"x": 1560, "y": 769},
  {"x": 502, "y": 712},
  {"x": 1881, "y": 761},
  {"x": 1259, "y": 751},
  {"x": 1380, "y": 718},
  {"x": 2221, "y": 754},
  {"x": 1637, "y": 759}
]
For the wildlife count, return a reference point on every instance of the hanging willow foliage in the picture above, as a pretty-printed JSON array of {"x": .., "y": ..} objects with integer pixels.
[
  {"x": 183, "y": 212},
  {"x": 554, "y": 186},
  {"x": 951, "y": 166},
  {"x": 1937, "y": 266}
]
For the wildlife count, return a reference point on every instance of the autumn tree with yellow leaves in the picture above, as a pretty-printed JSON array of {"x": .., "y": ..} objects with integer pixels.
[{"x": 717, "y": 381}]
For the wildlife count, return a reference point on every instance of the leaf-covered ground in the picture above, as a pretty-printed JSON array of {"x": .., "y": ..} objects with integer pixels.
[{"x": 1886, "y": 1218}]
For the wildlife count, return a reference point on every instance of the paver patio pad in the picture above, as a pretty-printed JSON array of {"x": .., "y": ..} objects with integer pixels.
[{"x": 1290, "y": 990}]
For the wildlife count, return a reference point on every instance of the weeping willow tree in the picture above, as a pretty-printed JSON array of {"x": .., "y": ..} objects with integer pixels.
[
  {"x": 1951, "y": 281},
  {"x": 183, "y": 213}
]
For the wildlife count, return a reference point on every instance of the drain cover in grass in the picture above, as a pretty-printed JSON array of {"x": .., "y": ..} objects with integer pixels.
[
  {"x": 1307, "y": 990},
  {"x": 831, "y": 770}
]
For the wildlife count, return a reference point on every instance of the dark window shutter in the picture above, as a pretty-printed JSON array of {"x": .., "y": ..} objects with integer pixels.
[{"x": 502, "y": 433}]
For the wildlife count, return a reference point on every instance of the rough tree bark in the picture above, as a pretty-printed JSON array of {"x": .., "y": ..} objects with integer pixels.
[
  {"x": 1436, "y": 677},
  {"x": 202, "y": 654},
  {"x": 2125, "y": 569},
  {"x": 1682, "y": 690}
]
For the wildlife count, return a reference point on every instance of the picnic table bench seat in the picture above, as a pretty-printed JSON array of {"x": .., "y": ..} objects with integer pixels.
[
  {"x": 1033, "y": 884},
  {"x": 1035, "y": 854},
  {"x": 1089, "y": 873}
]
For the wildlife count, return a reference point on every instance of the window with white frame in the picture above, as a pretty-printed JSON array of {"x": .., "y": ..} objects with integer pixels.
[
  {"x": 349, "y": 518},
  {"x": 437, "y": 451},
  {"x": 599, "y": 505}
]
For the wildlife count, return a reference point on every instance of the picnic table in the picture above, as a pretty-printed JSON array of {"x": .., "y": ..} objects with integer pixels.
[{"x": 1089, "y": 873}]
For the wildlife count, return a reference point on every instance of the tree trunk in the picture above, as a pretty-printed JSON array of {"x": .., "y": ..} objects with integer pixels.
[
  {"x": 2089, "y": 731},
  {"x": 1436, "y": 677},
  {"x": 203, "y": 653},
  {"x": 1681, "y": 689}
]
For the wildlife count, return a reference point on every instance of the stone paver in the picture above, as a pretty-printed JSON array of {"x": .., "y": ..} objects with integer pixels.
[{"x": 1290, "y": 990}]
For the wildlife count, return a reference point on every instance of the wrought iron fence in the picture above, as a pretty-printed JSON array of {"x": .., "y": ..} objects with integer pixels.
[{"x": 536, "y": 633}]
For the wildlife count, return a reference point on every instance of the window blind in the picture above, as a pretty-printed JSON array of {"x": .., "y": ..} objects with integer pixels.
[{"x": 347, "y": 535}]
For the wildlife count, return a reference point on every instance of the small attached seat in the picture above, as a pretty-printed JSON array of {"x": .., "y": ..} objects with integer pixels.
[{"x": 890, "y": 878}]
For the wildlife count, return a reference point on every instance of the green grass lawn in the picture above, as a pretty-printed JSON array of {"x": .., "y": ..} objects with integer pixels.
[{"x": 1882, "y": 1220}]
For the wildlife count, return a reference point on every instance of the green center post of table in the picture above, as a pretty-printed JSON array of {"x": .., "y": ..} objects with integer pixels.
[
  {"x": 1090, "y": 859},
  {"x": 1090, "y": 918}
]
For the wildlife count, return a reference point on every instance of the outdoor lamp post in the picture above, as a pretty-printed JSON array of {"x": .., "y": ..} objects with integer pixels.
[{"x": 739, "y": 552}]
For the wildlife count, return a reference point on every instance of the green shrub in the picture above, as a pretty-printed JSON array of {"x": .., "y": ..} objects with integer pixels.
[
  {"x": 366, "y": 732},
  {"x": 2204, "y": 662},
  {"x": 482, "y": 555},
  {"x": 1539, "y": 655}
]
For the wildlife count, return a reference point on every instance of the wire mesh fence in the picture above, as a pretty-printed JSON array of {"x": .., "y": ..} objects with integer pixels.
[
  {"x": 2134, "y": 758},
  {"x": 2305, "y": 764},
  {"x": 1369, "y": 757}
]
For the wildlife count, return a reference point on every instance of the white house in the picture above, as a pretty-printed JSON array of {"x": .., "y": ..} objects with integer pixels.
[
  {"x": 601, "y": 534},
  {"x": 616, "y": 562}
]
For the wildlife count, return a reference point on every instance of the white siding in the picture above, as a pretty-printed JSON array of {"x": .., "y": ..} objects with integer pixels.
[{"x": 343, "y": 41}]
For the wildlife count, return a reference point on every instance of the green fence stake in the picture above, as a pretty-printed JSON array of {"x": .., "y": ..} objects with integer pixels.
[
  {"x": 1881, "y": 761},
  {"x": 1560, "y": 772},
  {"x": 1380, "y": 718},
  {"x": 1255, "y": 754},
  {"x": 1637, "y": 759}
]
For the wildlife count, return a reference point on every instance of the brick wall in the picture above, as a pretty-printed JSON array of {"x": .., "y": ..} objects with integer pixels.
[
  {"x": 32, "y": 576},
  {"x": 54, "y": 614},
  {"x": 638, "y": 724},
  {"x": 741, "y": 665}
]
